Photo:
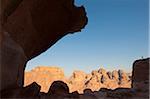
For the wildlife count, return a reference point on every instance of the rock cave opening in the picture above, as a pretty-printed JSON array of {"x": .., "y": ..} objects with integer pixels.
[{"x": 30, "y": 27}]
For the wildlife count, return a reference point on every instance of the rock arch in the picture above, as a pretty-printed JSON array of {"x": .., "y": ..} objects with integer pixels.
[{"x": 30, "y": 27}]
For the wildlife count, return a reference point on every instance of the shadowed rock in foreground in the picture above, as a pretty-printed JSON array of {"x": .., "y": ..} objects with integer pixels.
[{"x": 30, "y": 27}]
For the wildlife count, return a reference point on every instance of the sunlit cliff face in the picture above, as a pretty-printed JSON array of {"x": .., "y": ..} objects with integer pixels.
[{"x": 79, "y": 80}]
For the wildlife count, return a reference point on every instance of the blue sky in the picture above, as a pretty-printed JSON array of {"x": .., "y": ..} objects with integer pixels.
[{"x": 116, "y": 35}]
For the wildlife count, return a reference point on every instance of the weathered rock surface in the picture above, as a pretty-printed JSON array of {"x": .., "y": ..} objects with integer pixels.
[
  {"x": 12, "y": 61},
  {"x": 79, "y": 81},
  {"x": 30, "y": 27},
  {"x": 44, "y": 76},
  {"x": 48, "y": 20},
  {"x": 26, "y": 23},
  {"x": 140, "y": 77}
]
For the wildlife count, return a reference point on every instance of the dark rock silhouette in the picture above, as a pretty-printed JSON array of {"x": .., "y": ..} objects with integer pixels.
[
  {"x": 7, "y": 8},
  {"x": 30, "y": 27},
  {"x": 140, "y": 74},
  {"x": 88, "y": 91},
  {"x": 12, "y": 61},
  {"x": 58, "y": 88},
  {"x": 33, "y": 90},
  {"x": 121, "y": 93},
  {"x": 48, "y": 20}
]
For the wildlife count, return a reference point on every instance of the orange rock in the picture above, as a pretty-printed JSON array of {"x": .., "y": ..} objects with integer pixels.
[{"x": 79, "y": 80}]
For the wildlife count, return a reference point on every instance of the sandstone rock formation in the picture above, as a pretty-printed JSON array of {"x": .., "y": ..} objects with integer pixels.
[
  {"x": 99, "y": 79},
  {"x": 30, "y": 27},
  {"x": 44, "y": 76},
  {"x": 139, "y": 88},
  {"x": 79, "y": 81}
]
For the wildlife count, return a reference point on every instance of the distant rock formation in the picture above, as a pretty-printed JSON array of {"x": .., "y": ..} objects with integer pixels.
[
  {"x": 79, "y": 81},
  {"x": 44, "y": 76},
  {"x": 60, "y": 89}
]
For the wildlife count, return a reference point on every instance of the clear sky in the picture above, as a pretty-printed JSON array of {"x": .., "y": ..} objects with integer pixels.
[{"x": 116, "y": 35}]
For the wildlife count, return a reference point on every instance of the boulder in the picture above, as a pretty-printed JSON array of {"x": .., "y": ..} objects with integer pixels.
[
  {"x": 74, "y": 94},
  {"x": 88, "y": 91},
  {"x": 58, "y": 88},
  {"x": 31, "y": 90}
]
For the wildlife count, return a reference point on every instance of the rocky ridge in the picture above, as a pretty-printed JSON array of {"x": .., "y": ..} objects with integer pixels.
[
  {"x": 79, "y": 80},
  {"x": 60, "y": 90}
]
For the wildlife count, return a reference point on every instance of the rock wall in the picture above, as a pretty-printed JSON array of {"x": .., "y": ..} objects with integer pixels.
[
  {"x": 30, "y": 27},
  {"x": 43, "y": 23},
  {"x": 141, "y": 75}
]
